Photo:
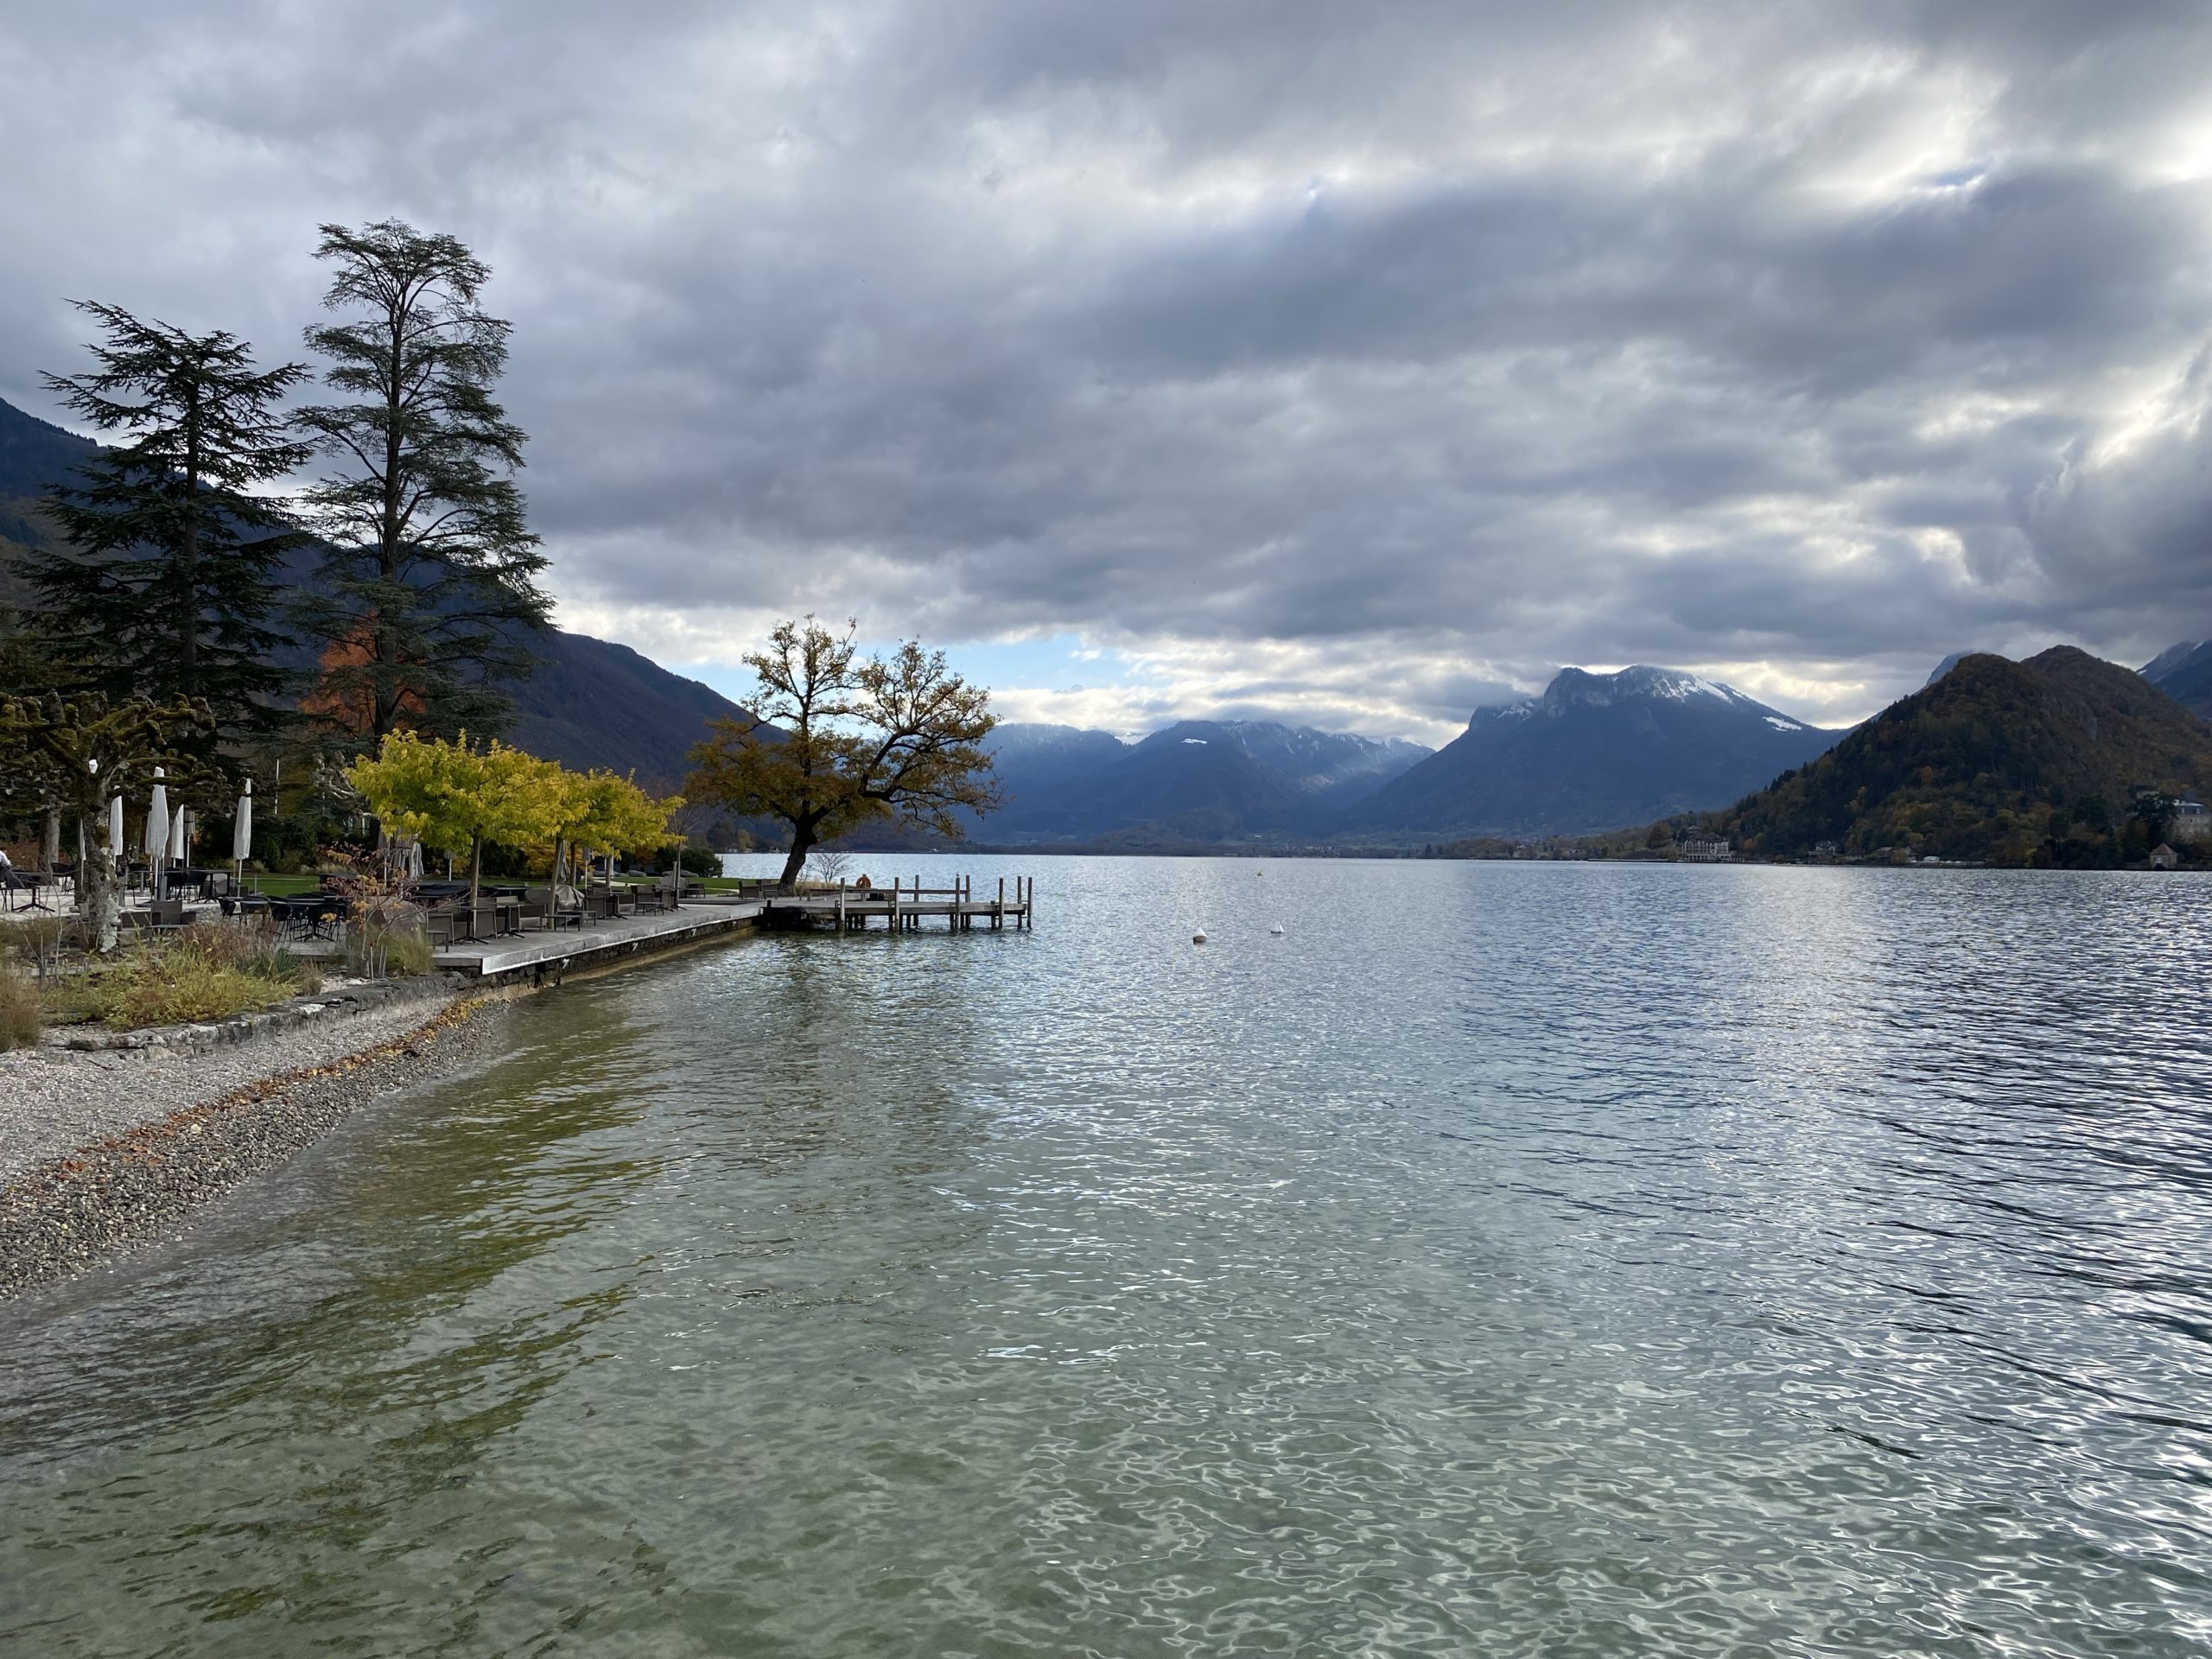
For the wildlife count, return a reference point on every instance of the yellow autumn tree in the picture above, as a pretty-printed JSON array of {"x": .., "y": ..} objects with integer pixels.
[{"x": 455, "y": 797}]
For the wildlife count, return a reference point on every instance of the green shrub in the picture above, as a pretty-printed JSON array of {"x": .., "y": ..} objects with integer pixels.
[
  {"x": 21, "y": 1023},
  {"x": 208, "y": 971}
]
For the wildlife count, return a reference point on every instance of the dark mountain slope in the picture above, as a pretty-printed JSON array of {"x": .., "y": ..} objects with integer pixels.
[
  {"x": 591, "y": 703},
  {"x": 1997, "y": 759},
  {"x": 35, "y": 456},
  {"x": 595, "y": 703},
  {"x": 1595, "y": 752}
]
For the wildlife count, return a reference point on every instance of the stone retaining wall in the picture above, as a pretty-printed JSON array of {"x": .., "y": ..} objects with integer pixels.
[{"x": 341, "y": 1003}]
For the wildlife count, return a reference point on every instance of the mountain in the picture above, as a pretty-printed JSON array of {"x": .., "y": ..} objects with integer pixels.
[
  {"x": 1034, "y": 758},
  {"x": 1595, "y": 752},
  {"x": 35, "y": 454},
  {"x": 1998, "y": 760},
  {"x": 591, "y": 703},
  {"x": 1193, "y": 783},
  {"x": 596, "y": 703},
  {"x": 1945, "y": 666},
  {"x": 2184, "y": 672}
]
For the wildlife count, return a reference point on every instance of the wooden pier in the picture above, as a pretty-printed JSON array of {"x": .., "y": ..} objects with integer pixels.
[
  {"x": 903, "y": 907},
  {"x": 545, "y": 957}
]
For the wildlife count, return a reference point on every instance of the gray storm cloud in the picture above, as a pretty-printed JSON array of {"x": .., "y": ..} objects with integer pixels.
[{"x": 1385, "y": 353}]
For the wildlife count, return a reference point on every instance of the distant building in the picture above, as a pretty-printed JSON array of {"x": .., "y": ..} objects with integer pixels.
[
  {"x": 1706, "y": 850},
  {"x": 2190, "y": 823},
  {"x": 2164, "y": 857}
]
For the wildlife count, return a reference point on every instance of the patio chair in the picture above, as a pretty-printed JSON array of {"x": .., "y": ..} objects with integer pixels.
[{"x": 538, "y": 904}]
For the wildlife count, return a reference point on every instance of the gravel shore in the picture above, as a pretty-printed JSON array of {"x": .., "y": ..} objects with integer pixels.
[
  {"x": 54, "y": 1101},
  {"x": 101, "y": 1151}
]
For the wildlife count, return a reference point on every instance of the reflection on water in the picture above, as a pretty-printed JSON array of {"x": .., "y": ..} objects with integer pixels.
[{"x": 1516, "y": 1259}]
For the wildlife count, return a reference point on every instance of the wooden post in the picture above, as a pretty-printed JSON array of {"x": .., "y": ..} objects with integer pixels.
[{"x": 841, "y": 904}]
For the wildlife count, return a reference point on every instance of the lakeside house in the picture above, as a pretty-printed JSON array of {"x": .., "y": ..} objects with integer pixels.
[
  {"x": 2190, "y": 823},
  {"x": 1707, "y": 849},
  {"x": 2164, "y": 857}
]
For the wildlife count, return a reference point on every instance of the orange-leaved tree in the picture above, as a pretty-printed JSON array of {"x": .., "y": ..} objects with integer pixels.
[{"x": 833, "y": 740}]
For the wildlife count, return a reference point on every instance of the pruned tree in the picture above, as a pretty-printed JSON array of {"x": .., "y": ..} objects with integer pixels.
[
  {"x": 173, "y": 569},
  {"x": 602, "y": 812},
  {"x": 81, "y": 751},
  {"x": 835, "y": 740},
  {"x": 455, "y": 797},
  {"x": 428, "y": 582}
]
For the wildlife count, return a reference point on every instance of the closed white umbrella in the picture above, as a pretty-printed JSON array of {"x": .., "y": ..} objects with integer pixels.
[
  {"x": 413, "y": 858},
  {"x": 180, "y": 834},
  {"x": 157, "y": 817},
  {"x": 115, "y": 828},
  {"x": 158, "y": 826},
  {"x": 242, "y": 826}
]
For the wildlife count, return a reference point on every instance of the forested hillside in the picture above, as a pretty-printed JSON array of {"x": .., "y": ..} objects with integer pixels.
[{"x": 2032, "y": 762}]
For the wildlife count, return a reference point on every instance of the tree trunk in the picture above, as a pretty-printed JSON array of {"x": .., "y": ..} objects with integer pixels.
[
  {"x": 385, "y": 697},
  {"x": 99, "y": 899},
  {"x": 50, "y": 849},
  {"x": 801, "y": 844},
  {"x": 188, "y": 603}
]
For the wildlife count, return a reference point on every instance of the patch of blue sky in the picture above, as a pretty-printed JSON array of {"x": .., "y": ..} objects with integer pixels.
[{"x": 1060, "y": 663}]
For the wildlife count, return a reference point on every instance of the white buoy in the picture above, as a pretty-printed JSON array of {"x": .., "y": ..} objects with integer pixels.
[
  {"x": 1277, "y": 928},
  {"x": 1198, "y": 937}
]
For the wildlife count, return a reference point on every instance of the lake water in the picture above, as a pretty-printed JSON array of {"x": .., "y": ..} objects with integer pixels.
[{"x": 1512, "y": 1259}]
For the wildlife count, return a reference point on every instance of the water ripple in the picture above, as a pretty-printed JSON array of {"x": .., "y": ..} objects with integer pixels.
[{"x": 1517, "y": 1258}]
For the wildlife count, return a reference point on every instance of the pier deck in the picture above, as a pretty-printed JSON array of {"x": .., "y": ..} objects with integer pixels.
[
  {"x": 542, "y": 956},
  {"x": 602, "y": 944},
  {"x": 900, "y": 907}
]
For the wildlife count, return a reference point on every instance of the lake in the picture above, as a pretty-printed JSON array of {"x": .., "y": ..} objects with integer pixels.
[{"x": 1514, "y": 1258}]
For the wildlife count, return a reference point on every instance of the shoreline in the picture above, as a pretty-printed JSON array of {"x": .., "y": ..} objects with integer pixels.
[
  {"x": 94, "y": 1171},
  {"x": 69, "y": 1214}
]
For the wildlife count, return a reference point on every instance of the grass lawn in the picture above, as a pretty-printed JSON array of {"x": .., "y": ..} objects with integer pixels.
[{"x": 284, "y": 887}]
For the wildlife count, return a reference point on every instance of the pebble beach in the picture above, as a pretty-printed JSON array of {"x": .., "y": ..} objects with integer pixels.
[{"x": 104, "y": 1151}]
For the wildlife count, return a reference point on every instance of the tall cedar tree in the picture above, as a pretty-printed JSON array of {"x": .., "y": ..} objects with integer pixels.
[
  {"x": 174, "y": 567},
  {"x": 835, "y": 740},
  {"x": 429, "y": 580}
]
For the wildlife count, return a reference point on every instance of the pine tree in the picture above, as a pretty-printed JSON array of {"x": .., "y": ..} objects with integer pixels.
[
  {"x": 173, "y": 568},
  {"x": 428, "y": 586}
]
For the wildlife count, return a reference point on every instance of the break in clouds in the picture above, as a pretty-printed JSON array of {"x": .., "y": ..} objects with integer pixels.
[{"x": 1344, "y": 362}]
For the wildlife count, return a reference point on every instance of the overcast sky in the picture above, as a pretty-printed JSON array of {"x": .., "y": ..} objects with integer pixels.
[{"x": 1345, "y": 362}]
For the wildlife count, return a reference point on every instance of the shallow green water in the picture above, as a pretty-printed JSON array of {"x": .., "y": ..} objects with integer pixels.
[{"x": 1504, "y": 1259}]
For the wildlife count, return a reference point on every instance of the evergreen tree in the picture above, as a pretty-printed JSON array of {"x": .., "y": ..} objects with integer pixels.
[
  {"x": 428, "y": 582},
  {"x": 28, "y": 664},
  {"x": 173, "y": 568}
]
